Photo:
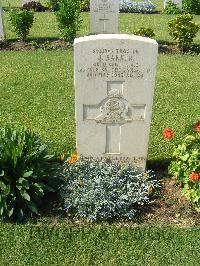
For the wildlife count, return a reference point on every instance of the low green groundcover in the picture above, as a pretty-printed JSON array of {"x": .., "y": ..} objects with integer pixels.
[{"x": 99, "y": 245}]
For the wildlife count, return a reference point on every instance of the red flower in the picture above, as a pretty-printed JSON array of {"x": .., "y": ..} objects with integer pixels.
[
  {"x": 197, "y": 126},
  {"x": 194, "y": 177},
  {"x": 168, "y": 133}
]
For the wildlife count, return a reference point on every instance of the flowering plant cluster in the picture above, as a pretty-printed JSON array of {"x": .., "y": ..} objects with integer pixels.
[
  {"x": 99, "y": 190},
  {"x": 186, "y": 164},
  {"x": 168, "y": 133},
  {"x": 129, "y": 6}
]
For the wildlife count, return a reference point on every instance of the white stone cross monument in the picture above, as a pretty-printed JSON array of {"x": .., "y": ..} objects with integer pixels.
[
  {"x": 177, "y": 2},
  {"x": 2, "y": 32},
  {"x": 104, "y": 16},
  {"x": 114, "y": 86}
]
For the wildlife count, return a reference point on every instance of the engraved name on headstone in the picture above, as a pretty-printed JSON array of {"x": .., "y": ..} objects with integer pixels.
[
  {"x": 104, "y": 16},
  {"x": 114, "y": 85}
]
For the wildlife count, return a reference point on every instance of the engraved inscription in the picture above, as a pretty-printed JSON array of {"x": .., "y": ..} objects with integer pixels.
[
  {"x": 103, "y": 6},
  {"x": 114, "y": 111},
  {"x": 115, "y": 63}
]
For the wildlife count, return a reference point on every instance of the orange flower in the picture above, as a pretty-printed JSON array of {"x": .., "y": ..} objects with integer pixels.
[
  {"x": 194, "y": 177},
  {"x": 168, "y": 133},
  {"x": 73, "y": 158},
  {"x": 197, "y": 126}
]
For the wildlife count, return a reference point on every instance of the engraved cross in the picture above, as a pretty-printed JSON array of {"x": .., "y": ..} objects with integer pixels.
[
  {"x": 104, "y": 20},
  {"x": 114, "y": 111}
]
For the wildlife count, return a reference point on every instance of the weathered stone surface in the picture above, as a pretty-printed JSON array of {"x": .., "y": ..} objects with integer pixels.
[
  {"x": 104, "y": 16},
  {"x": 27, "y": 1},
  {"x": 2, "y": 31},
  {"x": 114, "y": 86}
]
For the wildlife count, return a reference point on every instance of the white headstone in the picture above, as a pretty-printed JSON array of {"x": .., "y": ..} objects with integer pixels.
[
  {"x": 27, "y": 1},
  {"x": 104, "y": 16},
  {"x": 177, "y": 2},
  {"x": 114, "y": 87},
  {"x": 2, "y": 32}
]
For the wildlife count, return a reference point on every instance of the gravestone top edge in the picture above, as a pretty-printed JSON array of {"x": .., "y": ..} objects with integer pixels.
[{"x": 115, "y": 37}]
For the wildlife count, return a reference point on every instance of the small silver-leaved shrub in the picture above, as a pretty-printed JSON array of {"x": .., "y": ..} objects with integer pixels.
[{"x": 100, "y": 190}]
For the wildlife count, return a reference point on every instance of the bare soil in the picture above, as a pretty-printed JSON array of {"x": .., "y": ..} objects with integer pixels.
[
  {"x": 60, "y": 44},
  {"x": 172, "y": 208},
  {"x": 169, "y": 208},
  {"x": 33, "y": 45}
]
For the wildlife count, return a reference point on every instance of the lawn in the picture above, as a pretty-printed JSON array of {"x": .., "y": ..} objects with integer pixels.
[
  {"x": 45, "y": 25},
  {"x": 36, "y": 91},
  {"x": 98, "y": 245}
]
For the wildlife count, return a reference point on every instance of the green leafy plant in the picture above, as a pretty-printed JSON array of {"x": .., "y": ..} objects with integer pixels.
[
  {"x": 100, "y": 190},
  {"x": 21, "y": 22},
  {"x": 146, "y": 32},
  {"x": 26, "y": 171},
  {"x": 191, "y": 6},
  {"x": 183, "y": 30},
  {"x": 85, "y": 5},
  {"x": 69, "y": 19},
  {"x": 171, "y": 8},
  {"x": 185, "y": 166}
]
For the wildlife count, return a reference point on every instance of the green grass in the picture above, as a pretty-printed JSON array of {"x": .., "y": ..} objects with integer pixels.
[
  {"x": 175, "y": 102},
  {"x": 45, "y": 25},
  {"x": 47, "y": 106},
  {"x": 37, "y": 91},
  {"x": 158, "y": 22},
  {"x": 61, "y": 245}
]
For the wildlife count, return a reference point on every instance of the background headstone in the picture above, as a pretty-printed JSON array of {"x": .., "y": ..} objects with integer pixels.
[
  {"x": 114, "y": 84},
  {"x": 177, "y": 2},
  {"x": 104, "y": 16},
  {"x": 27, "y": 1},
  {"x": 2, "y": 31}
]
